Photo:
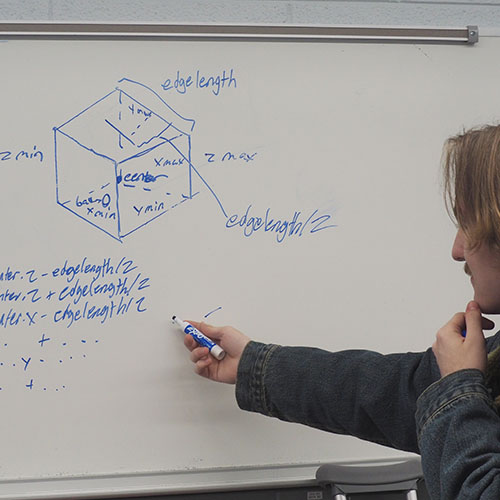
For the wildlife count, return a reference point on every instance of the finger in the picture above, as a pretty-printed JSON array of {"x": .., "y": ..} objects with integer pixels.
[
  {"x": 473, "y": 322},
  {"x": 213, "y": 332},
  {"x": 189, "y": 342},
  {"x": 199, "y": 353},
  {"x": 457, "y": 324},
  {"x": 487, "y": 324},
  {"x": 202, "y": 365}
]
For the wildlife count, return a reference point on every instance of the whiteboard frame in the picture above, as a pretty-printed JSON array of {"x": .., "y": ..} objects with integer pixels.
[
  {"x": 172, "y": 483},
  {"x": 207, "y": 479},
  {"x": 59, "y": 30}
]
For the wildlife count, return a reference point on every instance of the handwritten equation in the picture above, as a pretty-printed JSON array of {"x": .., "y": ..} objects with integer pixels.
[
  {"x": 39, "y": 309},
  {"x": 283, "y": 228}
]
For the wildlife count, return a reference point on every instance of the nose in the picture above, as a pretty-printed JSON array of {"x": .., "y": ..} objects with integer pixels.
[{"x": 457, "y": 251}]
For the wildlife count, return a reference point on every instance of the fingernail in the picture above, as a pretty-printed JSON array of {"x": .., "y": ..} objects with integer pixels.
[{"x": 472, "y": 306}]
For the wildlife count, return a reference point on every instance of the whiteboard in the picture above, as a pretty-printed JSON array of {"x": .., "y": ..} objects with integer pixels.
[{"x": 256, "y": 184}]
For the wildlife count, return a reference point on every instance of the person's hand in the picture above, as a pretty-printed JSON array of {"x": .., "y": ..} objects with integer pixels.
[
  {"x": 455, "y": 352},
  {"x": 230, "y": 339}
]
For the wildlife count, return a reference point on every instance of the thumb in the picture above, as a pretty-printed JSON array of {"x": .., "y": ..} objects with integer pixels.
[{"x": 473, "y": 322}]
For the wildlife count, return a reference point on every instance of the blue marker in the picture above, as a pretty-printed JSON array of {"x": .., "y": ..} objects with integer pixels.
[
  {"x": 216, "y": 351},
  {"x": 464, "y": 333}
]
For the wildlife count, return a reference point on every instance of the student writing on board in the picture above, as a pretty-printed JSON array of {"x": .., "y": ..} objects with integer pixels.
[{"x": 441, "y": 403}]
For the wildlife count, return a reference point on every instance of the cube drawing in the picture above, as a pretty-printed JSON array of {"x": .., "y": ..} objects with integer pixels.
[{"x": 124, "y": 161}]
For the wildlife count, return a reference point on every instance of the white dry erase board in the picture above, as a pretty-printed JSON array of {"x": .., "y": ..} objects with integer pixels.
[{"x": 288, "y": 188}]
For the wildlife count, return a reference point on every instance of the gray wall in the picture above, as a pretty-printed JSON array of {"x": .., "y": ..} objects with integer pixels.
[{"x": 485, "y": 14}]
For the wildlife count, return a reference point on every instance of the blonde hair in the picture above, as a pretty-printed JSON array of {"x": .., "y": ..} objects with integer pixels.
[{"x": 471, "y": 171}]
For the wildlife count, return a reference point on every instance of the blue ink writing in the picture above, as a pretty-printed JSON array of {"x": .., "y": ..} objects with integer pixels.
[
  {"x": 215, "y": 83},
  {"x": 228, "y": 156},
  {"x": 282, "y": 228},
  {"x": 18, "y": 155},
  {"x": 72, "y": 293}
]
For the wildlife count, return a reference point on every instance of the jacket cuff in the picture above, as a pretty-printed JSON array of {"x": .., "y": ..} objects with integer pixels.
[
  {"x": 447, "y": 392},
  {"x": 250, "y": 388}
]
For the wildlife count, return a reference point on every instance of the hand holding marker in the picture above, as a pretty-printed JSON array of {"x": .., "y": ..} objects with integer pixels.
[
  {"x": 203, "y": 340},
  {"x": 206, "y": 365}
]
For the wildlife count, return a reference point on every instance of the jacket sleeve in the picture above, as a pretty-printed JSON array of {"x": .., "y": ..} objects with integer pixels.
[
  {"x": 360, "y": 393},
  {"x": 459, "y": 438}
]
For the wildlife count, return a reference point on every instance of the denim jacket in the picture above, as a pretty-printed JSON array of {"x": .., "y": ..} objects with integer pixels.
[{"x": 397, "y": 400}]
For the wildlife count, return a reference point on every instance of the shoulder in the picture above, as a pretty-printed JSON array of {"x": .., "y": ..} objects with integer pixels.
[{"x": 493, "y": 342}]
